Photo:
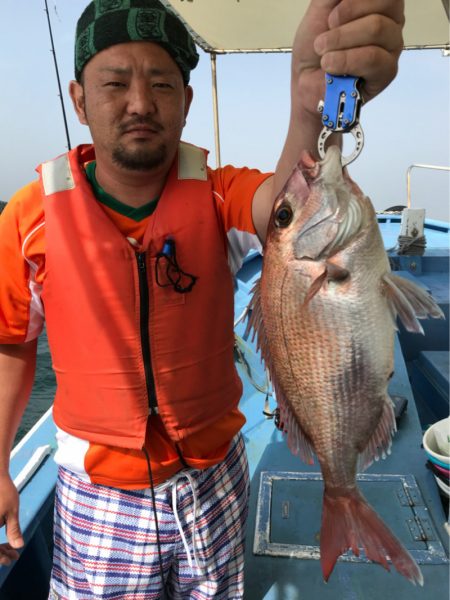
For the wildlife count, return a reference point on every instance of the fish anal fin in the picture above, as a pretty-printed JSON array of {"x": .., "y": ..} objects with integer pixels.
[
  {"x": 380, "y": 443},
  {"x": 349, "y": 522},
  {"x": 409, "y": 302}
]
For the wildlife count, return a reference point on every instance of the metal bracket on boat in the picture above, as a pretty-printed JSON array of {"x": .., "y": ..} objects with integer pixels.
[{"x": 340, "y": 112}]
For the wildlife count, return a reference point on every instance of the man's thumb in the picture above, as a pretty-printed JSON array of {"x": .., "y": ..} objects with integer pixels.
[{"x": 13, "y": 532}]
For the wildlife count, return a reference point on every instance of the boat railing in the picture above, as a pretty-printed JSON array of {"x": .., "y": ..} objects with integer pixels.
[
  {"x": 34, "y": 474},
  {"x": 419, "y": 166}
]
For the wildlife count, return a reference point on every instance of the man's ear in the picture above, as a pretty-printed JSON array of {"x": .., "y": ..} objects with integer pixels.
[
  {"x": 76, "y": 92},
  {"x": 188, "y": 95}
]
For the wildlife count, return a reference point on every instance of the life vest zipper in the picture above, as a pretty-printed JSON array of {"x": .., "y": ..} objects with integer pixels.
[{"x": 144, "y": 317}]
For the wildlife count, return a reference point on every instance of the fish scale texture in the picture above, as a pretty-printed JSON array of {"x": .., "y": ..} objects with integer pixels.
[{"x": 334, "y": 353}]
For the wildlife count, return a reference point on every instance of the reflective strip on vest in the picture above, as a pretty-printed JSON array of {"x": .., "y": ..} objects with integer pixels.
[{"x": 57, "y": 175}]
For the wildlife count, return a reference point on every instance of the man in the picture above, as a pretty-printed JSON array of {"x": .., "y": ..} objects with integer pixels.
[{"x": 132, "y": 276}]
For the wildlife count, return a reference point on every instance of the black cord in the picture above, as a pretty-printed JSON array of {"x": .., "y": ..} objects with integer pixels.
[
  {"x": 172, "y": 275},
  {"x": 155, "y": 515}
]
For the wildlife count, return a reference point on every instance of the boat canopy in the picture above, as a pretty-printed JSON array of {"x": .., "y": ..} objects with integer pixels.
[{"x": 224, "y": 26}]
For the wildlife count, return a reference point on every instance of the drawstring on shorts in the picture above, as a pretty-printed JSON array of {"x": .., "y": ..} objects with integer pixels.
[{"x": 173, "y": 483}]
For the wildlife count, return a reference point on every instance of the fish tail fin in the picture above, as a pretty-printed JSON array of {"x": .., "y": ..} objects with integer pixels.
[{"x": 348, "y": 522}]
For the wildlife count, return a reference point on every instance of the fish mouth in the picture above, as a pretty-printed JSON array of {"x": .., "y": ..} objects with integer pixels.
[
  {"x": 331, "y": 165},
  {"x": 329, "y": 168},
  {"x": 309, "y": 170}
]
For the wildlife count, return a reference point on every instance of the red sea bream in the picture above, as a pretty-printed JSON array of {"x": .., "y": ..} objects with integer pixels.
[{"x": 325, "y": 313}]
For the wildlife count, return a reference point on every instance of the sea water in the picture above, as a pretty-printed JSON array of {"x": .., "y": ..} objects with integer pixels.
[{"x": 43, "y": 389}]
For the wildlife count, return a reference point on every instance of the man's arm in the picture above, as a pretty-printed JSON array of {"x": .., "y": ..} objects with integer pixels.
[
  {"x": 17, "y": 367},
  {"x": 362, "y": 38}
]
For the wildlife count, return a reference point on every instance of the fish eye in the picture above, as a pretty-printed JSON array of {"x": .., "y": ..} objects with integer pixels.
[{"x": 283, "y": 216}]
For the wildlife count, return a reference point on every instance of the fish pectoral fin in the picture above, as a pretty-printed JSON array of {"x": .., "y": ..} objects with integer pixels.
[
  {"x": 315, "y": 287},
  {"x": 336, "y": 273},
  {"x": 409, "y": 302},
  {"x": 331, "y": 272},
  {"x": 380, "y": 443}
]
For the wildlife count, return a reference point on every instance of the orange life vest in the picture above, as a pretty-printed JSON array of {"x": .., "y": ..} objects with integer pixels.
[{"x": 94, "y": 300}]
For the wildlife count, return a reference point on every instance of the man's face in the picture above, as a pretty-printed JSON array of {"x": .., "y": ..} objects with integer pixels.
[{"x": 135, "y": 103}]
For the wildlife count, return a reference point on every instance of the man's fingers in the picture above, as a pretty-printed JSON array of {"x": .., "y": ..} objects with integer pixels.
[
  {"x": 7, "y": 554},
  {"x": 365, "y": 45},
  {"x": 376, "y": 66},
  {"x": 373, "y": 30},
  {"x": 349, "y": 10}
]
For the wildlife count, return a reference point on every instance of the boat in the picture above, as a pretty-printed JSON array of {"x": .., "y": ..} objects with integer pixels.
[{"x": 282, "y": 553}]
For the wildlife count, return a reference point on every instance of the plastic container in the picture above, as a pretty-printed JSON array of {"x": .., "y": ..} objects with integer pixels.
[
  {"x": 444, "y": 487},
  {"x": 436, "y": 442},
  {"x": 445, "y": 472}
]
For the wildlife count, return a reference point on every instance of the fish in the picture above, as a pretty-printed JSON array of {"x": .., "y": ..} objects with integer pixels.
[{"x": 324, "y": 312}]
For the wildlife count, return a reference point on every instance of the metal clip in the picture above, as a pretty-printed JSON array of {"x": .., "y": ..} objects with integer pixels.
[{"x": 340, "y": 112}]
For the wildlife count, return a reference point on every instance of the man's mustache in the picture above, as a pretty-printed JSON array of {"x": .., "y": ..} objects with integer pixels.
[{"x": 141, "y": 122}]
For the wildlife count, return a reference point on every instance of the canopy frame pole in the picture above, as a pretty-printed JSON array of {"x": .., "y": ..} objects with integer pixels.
[{"x": 215, "y": 108}]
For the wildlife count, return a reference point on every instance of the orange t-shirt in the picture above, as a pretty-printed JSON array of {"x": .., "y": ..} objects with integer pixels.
[{"x": 22, "y": 316}]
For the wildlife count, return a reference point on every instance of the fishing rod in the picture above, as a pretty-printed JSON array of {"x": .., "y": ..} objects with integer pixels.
[{"x": 57, "y": 77}]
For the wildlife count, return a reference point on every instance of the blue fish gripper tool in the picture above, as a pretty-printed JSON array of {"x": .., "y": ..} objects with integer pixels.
[{"x": 340, "y": 112}]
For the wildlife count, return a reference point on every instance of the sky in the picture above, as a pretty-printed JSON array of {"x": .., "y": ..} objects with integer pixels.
[{"x": 408, "y": 123}]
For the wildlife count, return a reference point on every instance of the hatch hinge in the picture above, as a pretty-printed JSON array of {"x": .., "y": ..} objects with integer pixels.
[
  {"x": 409, "y": 496},
  {"x": 421, "y": 530}
]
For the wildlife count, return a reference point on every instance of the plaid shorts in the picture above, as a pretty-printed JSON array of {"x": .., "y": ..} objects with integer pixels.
[{"x": 105, "y": 544}]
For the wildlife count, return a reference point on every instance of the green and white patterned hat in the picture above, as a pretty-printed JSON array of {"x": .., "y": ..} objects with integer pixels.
[{"x": 108, "y": 22}]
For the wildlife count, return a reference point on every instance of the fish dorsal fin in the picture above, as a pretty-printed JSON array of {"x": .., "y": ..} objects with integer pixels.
[
  {"x": 379, "y": 445},
  {"x": 409, "y": 302},
  {"x": 255, "y": 321},
  {"x": 297, "y": 440}
]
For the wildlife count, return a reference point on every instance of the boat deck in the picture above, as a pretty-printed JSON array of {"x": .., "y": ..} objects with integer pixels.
[{"x": 282, "y": 557}]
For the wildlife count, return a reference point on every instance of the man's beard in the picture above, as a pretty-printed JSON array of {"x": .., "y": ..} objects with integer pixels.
[{"x": 141, "y": 159}]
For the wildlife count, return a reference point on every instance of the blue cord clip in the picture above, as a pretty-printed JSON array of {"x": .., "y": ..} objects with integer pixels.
[
  {"x": 168, "y": 247},
  {"x": 342, "y": 102}
]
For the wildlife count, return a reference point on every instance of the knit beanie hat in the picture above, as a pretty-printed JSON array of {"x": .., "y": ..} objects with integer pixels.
[{"x": 108, "y": 22}]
